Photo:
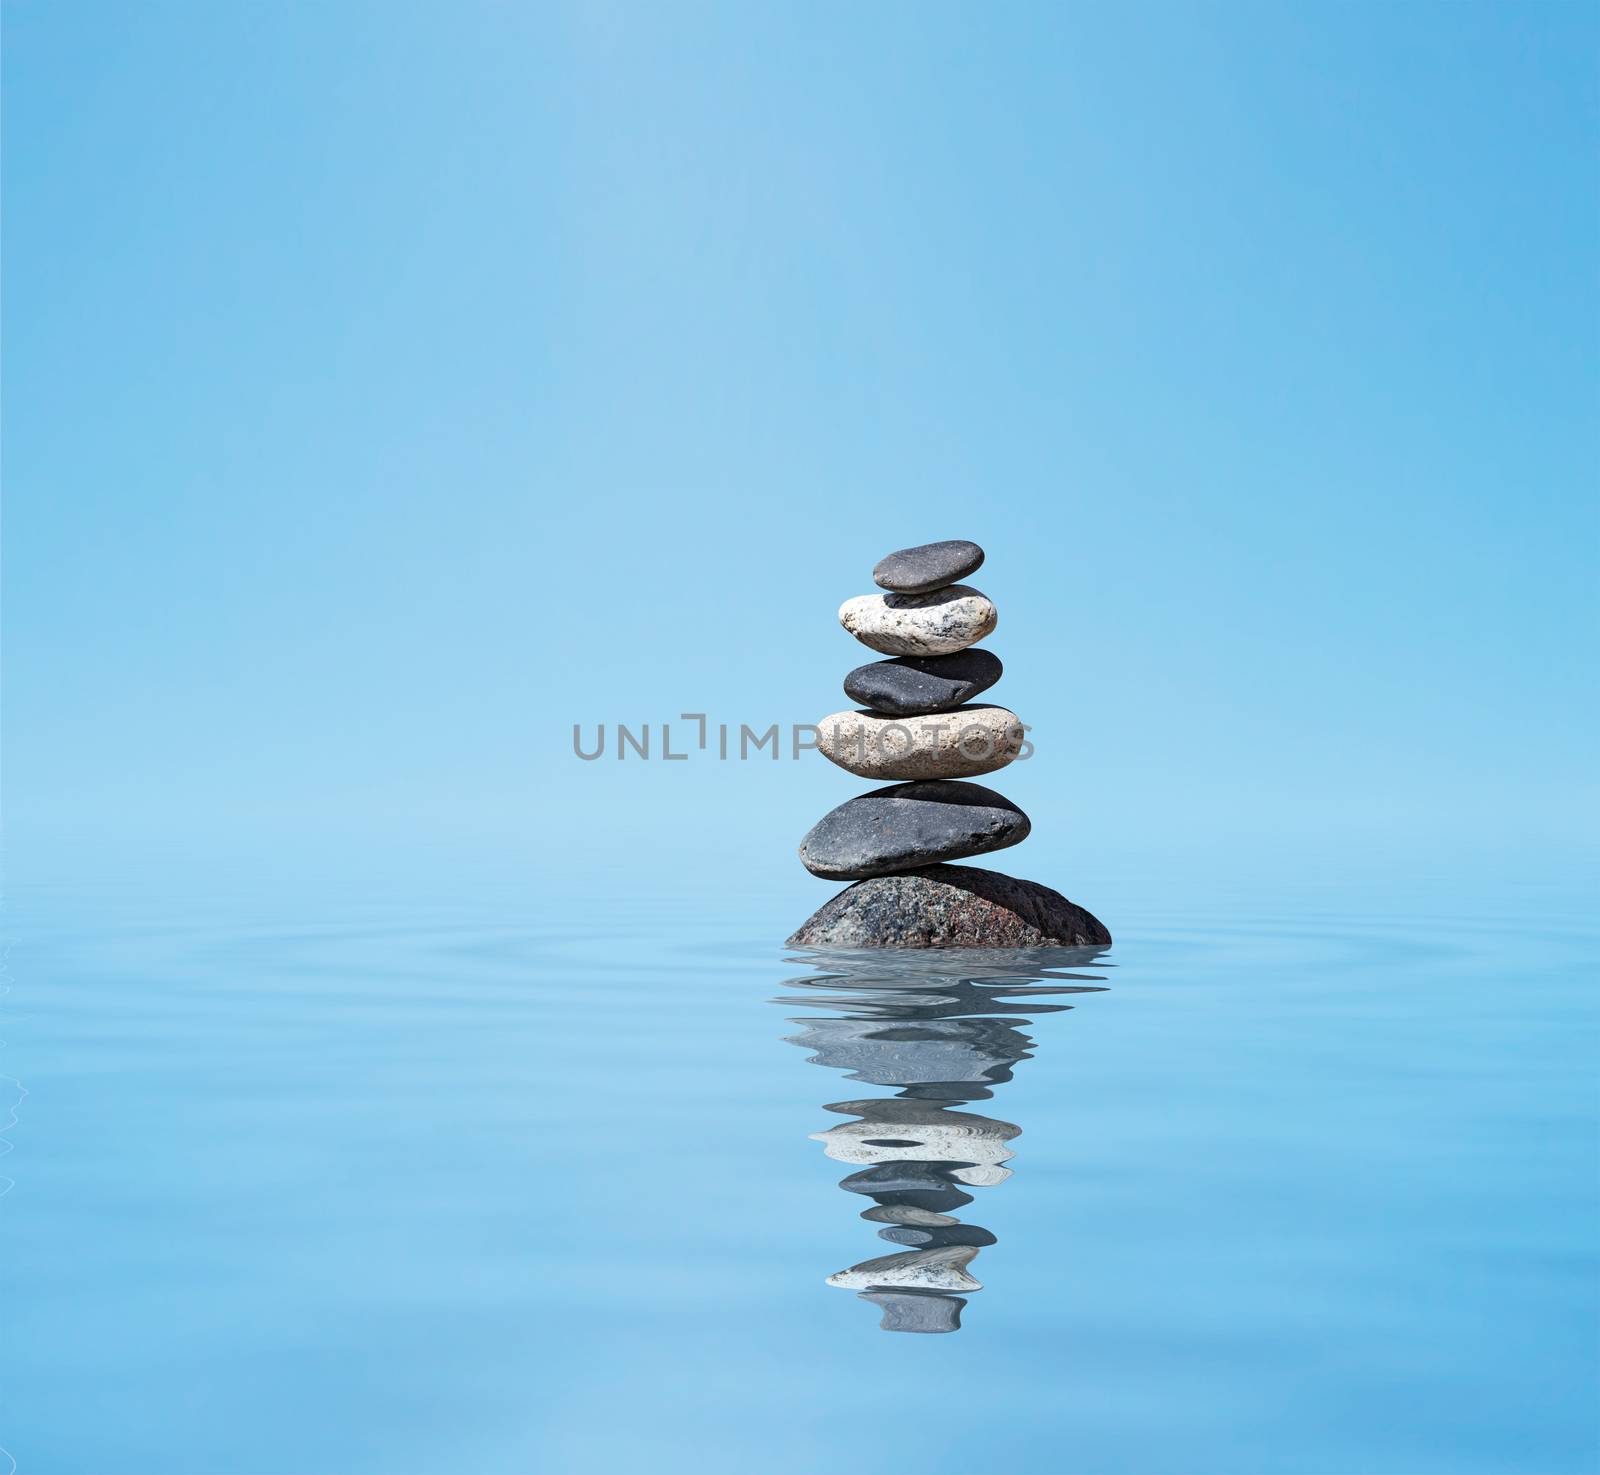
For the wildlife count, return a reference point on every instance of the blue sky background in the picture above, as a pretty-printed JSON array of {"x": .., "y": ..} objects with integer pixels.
[{"x": 391, "y": 386}]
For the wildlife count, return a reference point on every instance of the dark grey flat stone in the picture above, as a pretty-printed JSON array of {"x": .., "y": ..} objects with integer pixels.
[
  {"x": 910, "y": 826},
  {"x": 937, "y": 1239},
  {"x": 927, "y": 566},
  {"x": 911, "y": 1311},
  {"x": 949, "y": 906},
  {"x": 913, "y": 686}
]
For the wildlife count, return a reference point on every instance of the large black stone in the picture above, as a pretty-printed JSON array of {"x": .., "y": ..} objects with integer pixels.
[
  {"x": 949, "y": 906},
  {"x": 913, "y": 686},
  {"x": 927, "y": 566},
  {"x": 910, "y": 826}
]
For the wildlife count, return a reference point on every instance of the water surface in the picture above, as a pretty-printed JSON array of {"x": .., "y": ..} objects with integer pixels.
[{"x": 348, "y": 1188}]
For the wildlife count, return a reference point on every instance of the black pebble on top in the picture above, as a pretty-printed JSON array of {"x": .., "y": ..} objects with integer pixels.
[
  {"x": 911, "y": 686},
  {"x": 928, "y": 566}
]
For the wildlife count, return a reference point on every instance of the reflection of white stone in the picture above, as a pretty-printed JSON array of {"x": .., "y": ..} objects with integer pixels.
[
  {"x": 913, "y": 1131},
  {"x": 922, "y": 1270},
  {"x": 982, "y": 1175},
  {"x": 907, "y": 1214}
]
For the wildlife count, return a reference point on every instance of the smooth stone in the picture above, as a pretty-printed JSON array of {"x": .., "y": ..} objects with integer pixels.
[
  {"x": 904, "y": 1214},
  {"x": 909, "y": 686},
  {"x": 960, "y": 744},
  {"x": 903, "y": 1184},
  {"x": 906, "y": 827},
  {"x": 912, "y": 1311},
  {"x": 949, "y": 906},
  {"x": 936, "y": 624},
  {"x": 937, "y": 1239},
  {"x": 920, "y": 1270},
  {"x": 927, "y": 566}
]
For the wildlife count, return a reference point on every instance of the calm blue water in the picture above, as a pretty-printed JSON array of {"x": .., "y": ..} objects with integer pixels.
[{"x": 344, "y": 1188}]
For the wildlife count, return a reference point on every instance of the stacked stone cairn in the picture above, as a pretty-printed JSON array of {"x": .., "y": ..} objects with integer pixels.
[{"x": 918, "y": 723}]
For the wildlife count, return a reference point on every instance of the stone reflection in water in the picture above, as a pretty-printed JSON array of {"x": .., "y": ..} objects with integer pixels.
[{"x": 941, "y": 1027}]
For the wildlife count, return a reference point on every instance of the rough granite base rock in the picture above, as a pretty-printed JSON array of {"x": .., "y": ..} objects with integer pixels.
[{"x": 950, "y": 906}]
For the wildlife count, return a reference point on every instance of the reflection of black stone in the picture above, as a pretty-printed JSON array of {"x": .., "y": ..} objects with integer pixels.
[
  {"x": 925, "y": 1023},
  {"x": 917, "y": 1052},
  {"x": 921, "y": 1185},
  {"x": 916, "y": 1311},
  {"x": 935, "y": 1239}
]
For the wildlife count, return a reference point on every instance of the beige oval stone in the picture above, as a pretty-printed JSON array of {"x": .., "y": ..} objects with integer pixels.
[
  {"x": 959, "y": 744},
  {"x": 935, "y": 624}
]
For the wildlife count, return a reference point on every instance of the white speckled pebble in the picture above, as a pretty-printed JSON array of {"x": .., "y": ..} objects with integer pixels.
[
  {"x": 936, "y": 624},
  {"x": 959, "y": 744}
]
